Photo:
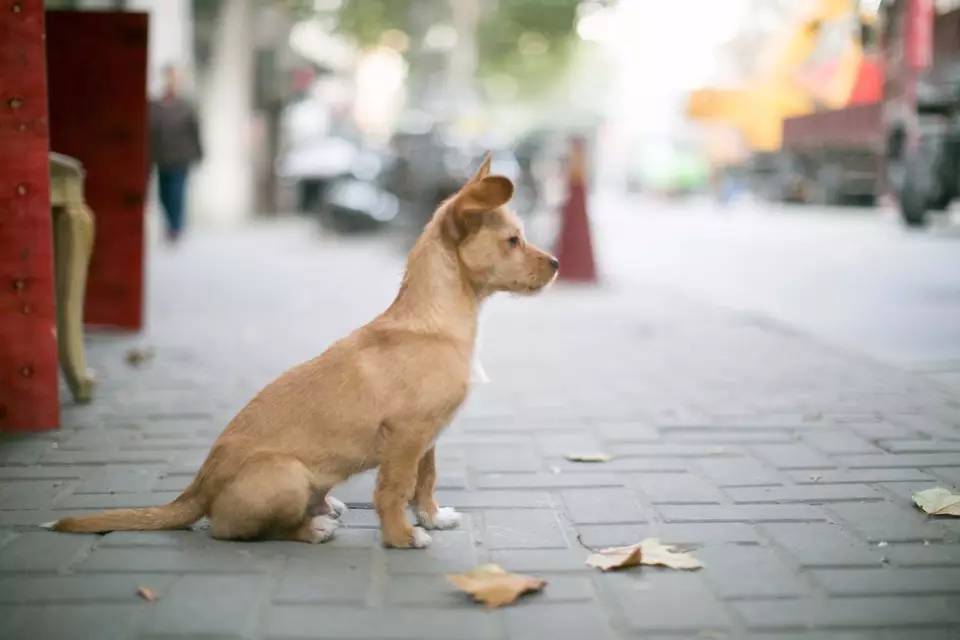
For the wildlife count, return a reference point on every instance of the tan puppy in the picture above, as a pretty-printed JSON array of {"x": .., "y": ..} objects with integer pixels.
[{"x": 377, "y": 398}]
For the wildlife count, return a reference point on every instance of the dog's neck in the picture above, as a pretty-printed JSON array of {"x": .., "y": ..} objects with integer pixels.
[{"x": 436, "y": 296}]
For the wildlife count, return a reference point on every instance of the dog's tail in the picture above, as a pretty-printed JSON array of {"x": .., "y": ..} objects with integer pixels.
[{"x": 182, "y": 512}]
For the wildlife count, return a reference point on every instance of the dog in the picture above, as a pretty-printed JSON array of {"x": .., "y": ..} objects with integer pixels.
[{"x": 378, "y": 398}]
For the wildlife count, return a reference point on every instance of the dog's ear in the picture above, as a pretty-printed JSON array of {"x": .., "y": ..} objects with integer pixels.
[
  {"x": 484, "y": 170},
  {"x": 472, "y": 201},
  {"x": 485, "y": 194}
]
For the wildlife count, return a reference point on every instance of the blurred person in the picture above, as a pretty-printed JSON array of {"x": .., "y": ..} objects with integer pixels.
[{"x": 174, "y": 146}]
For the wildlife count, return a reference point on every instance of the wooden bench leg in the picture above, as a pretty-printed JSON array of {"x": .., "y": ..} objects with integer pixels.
[{"x": 73, "y": 245}]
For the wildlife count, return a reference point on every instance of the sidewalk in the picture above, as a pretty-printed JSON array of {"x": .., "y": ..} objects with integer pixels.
[{"x": 785, "y": 465}]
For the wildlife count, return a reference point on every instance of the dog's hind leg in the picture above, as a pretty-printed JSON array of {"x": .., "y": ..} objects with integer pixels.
[{"x": 269, "y": 497}]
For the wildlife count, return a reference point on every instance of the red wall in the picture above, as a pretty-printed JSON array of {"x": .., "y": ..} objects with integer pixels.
[{"x": 28, "y": 347}]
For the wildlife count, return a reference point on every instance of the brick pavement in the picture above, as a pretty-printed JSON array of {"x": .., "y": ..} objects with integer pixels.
[{"x": 785, "y": 464}]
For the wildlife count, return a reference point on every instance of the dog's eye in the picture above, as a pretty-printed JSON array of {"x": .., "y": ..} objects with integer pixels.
[{"x": 514, "y": 241}]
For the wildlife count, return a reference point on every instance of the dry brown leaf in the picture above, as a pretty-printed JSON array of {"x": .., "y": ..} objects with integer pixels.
[
  {"x": 938, "y": 502},
  {"x": 588, "y": 457},
  {"x": 492, "y": 585},
  {"x": 615, "y": 558},
  {"x": 648, "y": 551},
  {"x": 146, "y": 593}
]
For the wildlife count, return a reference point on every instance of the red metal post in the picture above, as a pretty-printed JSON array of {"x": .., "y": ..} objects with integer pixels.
[{"x": 28, "y": 342}]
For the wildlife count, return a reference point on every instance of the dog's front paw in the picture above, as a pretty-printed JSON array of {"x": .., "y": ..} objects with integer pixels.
[
  {"x": 421, "y": 539},
  {"x": 417, "y": 538},
  {"x": 444, "y": 518}
]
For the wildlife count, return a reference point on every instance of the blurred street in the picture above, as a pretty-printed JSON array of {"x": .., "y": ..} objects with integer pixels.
[
  {"x": 786, "y": 464},
  {"x": 846, "y": 275}
]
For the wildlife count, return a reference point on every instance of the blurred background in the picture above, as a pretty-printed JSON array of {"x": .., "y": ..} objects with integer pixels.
[{"x": 793, "y": 158}]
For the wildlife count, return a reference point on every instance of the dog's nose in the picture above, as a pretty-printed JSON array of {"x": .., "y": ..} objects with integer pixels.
[{"x": 554, "y": 263}]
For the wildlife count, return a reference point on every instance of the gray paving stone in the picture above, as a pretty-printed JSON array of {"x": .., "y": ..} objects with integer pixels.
[
  {"x": 43, "y": 551},
  {"x": 506, "y": 529},
  {"x": 675, "y": 488},
  {"x": 602, "y": 506},
  {"x": 811, "y": 493},
  {"x": 452, "y": 550},
  {"x": 424, "y": 591},
  {"x": 660, "y": 601},
  {"x": 837, "y": 441},
  {"x": 120, "y": 479},
  {"x": 918, "y": 460},
  {"x": 72, "y": 621},
  {"x": 626, "y": 432},
  {"x": 595, "y": 536},
  {"x": 27, "y": 494},
  {"x": 164, "y": 559},
  {"x": 71, "y": 458},
  {"x": 674, "y": 465},
  {"x": 65, "y": 589},
  {"x": 886, "y": 522},
  {"x": 195, "y": 606},
  {"x": 924, "y": 555},
  {"x": 816, "y": 544},
  {"x": 659, "y": 450},
  {"x": 152, "y": 539},
  {"x": 792, "y": 456},
  {"x": 859, "y": 476},
  {"x": 542, "y": 560},
  {"x": 741, "y": 513},
  {"x": 888, "y": 581},
  {"x": 492, "y": 499},
  {"x": 294, "y": 621},
  {"x": 920, "y": 446},
  {"x": 557, "y": 621},
  {"x": 739, "y": 472},
  {"x": 502, "y": 458},
  {"x": 37, "y": 472},
  {"x": 325, "y": 577},
  {"x": 547, "y": 480},
  {"x": 850, "y": 612},
  {"x": 94, "y": 501},
  {"x": 706, "y": 533},
  {"x": 748, "y": 571}
]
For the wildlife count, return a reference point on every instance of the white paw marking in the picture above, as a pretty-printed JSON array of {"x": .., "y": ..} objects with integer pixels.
[
  {"x": 48, "y": 525},
  {"x": 337, "y": 507},
  {"x": 421, "y": 539},
  {"x": 446, "y": 518},
  {"x": 323, "y": 527}
]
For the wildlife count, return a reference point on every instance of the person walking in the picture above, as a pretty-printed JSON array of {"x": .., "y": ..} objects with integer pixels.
[{"x": 174, "y": 146}]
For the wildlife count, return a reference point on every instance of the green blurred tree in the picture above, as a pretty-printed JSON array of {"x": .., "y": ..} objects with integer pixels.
[{"x": 526, "y": 43}]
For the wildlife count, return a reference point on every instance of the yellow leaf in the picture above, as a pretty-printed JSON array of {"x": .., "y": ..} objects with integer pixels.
[
  {"x": 147, "y": 594},
  {"x": 588, "y": 457},
  {"x": 938, "y": 502},
  {"x": 648, "y": 551},
  {"x": 490, "y": 584}
]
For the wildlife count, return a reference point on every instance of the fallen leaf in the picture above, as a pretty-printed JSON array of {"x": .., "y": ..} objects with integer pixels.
[
  {"x": 588, "y": 457},
  {"x": 648, "y": 551},
  {"x": 492, "y": 585},
  {"x": 146, "y": 593},
  {"x": 615, "y": 558},
  {"x": 139, "y": 356},
  {"x": 938, "y": 502}
]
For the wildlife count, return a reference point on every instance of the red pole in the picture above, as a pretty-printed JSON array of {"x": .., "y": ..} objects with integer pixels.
[
  {"x": 574, "y": 247},
  {"x": 28, "y": 340}
]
